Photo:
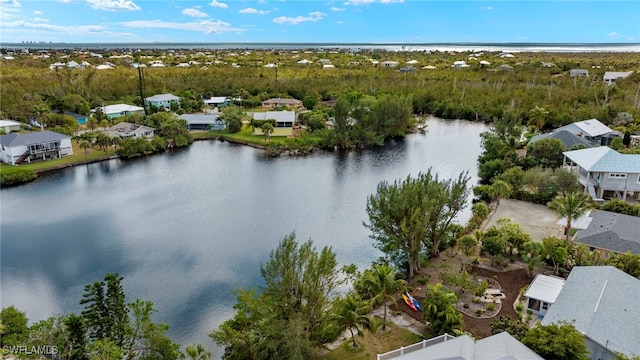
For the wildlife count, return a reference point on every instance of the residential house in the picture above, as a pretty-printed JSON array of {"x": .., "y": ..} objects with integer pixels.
[
  {"x": 504, "y": 67},
  {"x": 7, "y": 126},
  {"x": 162, "y": 101},
  {"x": 278, "y": 102},
  {"x": 578, "y": 72},
  {"x": 80, "y": 119},
  {"x": 592, "y": 131},
  {"x": 500, "y": 346},
  {"x": 126, "y": 130},
  {"x": 407, "y": 69},
  {"x": 203, "y": 121},
  {"x": 610, "y": 77},
  {"x": 570, "y": 140},
  {"x": 284, "y": 122},
  {"x": 542, "y": 293},
  {"x": 602, "y": 303},
  {"x": 17, "y": 148},
  {"x": 217, "y": 101},
  {"x": 118, "y": 110},
  {"x": 460, "y": 64},
  {"x": 305, "y": 62},
  {"x": 609, "y": 232},
  {"x": 603, "y": 170},
  {"x": 389, "y": 64}
]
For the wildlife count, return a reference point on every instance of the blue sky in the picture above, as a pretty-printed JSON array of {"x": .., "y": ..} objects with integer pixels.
[{"x": 376, "y": 21}]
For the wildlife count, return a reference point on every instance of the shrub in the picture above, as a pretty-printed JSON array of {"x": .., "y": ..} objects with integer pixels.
[
  {"x": 14, "y": 175},
  {"x": 519, "y": 307},
  {"x": 423, "y": 280},
  {"x": 491, "y": 307}
]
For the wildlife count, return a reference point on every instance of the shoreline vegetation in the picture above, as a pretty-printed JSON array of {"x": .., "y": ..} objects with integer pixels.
[{"x": 532, "y": 93}]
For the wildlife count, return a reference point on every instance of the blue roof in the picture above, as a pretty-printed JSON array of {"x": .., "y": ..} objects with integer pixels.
[{"x": 604, "y": 159}]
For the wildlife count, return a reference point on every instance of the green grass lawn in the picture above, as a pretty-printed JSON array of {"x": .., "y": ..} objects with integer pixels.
[
  {"x": 372, "y": 344},
  {"x": 78, "y": 157}
]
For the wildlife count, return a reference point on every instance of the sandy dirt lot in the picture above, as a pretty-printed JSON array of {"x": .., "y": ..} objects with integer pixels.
[{"x": 537, "y": 220}]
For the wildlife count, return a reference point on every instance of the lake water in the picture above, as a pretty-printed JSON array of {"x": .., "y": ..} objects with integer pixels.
[{"x": 185, "y": 228}]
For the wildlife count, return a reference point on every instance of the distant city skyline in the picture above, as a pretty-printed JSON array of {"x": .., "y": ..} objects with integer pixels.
[{"x": 351, "y": 21}]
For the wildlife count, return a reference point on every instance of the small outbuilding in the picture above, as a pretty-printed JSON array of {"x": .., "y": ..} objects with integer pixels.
[{"x": 542, "y": 293}]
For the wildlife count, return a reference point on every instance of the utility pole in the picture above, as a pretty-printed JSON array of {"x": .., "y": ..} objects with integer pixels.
[{"x": 140, "y": 80}]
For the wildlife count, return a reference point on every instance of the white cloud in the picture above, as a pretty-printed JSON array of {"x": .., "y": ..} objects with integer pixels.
[
  {"x": 220, "y": 5},
  {"x": 114, "y": 5},
  {"x": 253, "y": 11},
  {"x": 488, "y": 8},
  {"x": 205, "y": 26},
  {"x": 194, "y": 13},
  {"x": 9, "y": 9},
  {"x": 37, "y": 19},
  {"x": 56, "y": 28},
  {"x": 390, "y": 1},
  {"x": 37, "y": 12},
  {"x": 339, "y": 22},
  {"x": 333, "y": 8},
  {"x": 358, "y": 2},
  {"x": 614, "y": 35},
  {"x": 313, "y": 16}
]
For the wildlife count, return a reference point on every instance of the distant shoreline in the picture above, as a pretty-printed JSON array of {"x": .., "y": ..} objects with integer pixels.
[{"x": 436, "y": 46}]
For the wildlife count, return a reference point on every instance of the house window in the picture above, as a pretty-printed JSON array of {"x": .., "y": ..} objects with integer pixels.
[
  {"x": 617, "y": 175},
  {"x": 545, "y": 306},
  {"x": 638, "y": 178}
]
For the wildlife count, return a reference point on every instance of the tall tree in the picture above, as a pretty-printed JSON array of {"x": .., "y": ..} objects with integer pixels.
[
  {"x": 14, "y": 322},
  {"x": 196, "y": 352},
  {"x": 292, "y": 311},
  {"x": 557, "y": 342},
  {"x": 105, "y": 310},
  {"x": 416, "y": 212},
  {"x": 468, "y": 245},
  {"x": 538, "y": 117},
  {"x": 383, "y": 283},
  {"x": 571, "y": 207}
]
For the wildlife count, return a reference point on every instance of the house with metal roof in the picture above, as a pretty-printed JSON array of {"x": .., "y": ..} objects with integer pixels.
[
  {"x": 611, "y": 77},
  {"x": 118, "y": 110},
  {"x": 162, "y": 101},
  {"x": 284, "y": 122},
  {"x": 7, "y": 126},
  {"x": 446, "y": 347},
  {"x": 578, "y": 72},
  {"x": 217, "y": 101},
  {"x": 602, "y": 170},
  {"x": 203, "y": 121},
  {"x": 42, "y": 145},
  {"x": 542, "y": 293},
  {"x": 592, "y": 131},
  {"x": 602, "y": 303},
  {"x": 609, "y": 232}
]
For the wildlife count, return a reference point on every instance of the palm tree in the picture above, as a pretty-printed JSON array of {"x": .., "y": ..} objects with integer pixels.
[
  {"x": 351, "y": 315},
  {"x": 267, "y": 129},
  {"x": 538, "y": 117},
  {"x": 382, "y": 281},
  {"x": 571, "y": 206},
  {"x": 43, "y": 111},
  {"x": 439, "y": 310},
  {"x": 104, "y": 124},
  {"x": 85, "y": 144},
  {"x": 195, "y": 352}
]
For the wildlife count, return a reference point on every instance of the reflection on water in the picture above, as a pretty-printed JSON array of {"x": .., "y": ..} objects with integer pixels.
[{"x": 185, "y": 228}]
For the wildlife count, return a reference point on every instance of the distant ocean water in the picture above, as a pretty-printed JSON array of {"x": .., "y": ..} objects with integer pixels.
[{"x": 508, "y": 47}]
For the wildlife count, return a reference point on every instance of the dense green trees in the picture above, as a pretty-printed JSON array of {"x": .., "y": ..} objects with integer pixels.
[
  {"x": 557, "y": 342},
  {"x": 440, "y": 312},
  {"x": 108, "y": 328},
  {"x": 352, "y": 315},
  {"x": 381, "y": 282},
  {"x": 292, "y": 311},
  {"x": 410, "y": 219},
  {"x": 515, "y": 328}
]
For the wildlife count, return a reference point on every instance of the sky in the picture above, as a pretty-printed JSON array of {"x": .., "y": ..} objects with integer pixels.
[{"x": 303, "y": 21}]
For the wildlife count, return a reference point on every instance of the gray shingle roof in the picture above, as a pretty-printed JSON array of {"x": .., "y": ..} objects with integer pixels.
[
  {"x": 14, "y": 139},
  {"x": 163, "y": 97},
  {"x": 569, "y": 139},
  {"x": 612, "y": 231},
  {"x": 603, "y": 303}
]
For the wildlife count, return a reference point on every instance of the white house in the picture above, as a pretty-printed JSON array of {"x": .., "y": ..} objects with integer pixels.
[
  {"x": 7, "y": 126},
  {"x": 42, "y": 145},
  {"x": 203, "y": 121},
  {"x": 126, "y": 130},
  {"x": 389, "y": 64},
  {"x": 542, "y": 293},
  {"x": 217, "y": 101},
  {"x": 118, "y": 110},
  {"x": 610, "y": 77},
  {"x": 602, "y": 169},
  {"x": 578, "y": 72},
  {"x": 284, "y": 121}
]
